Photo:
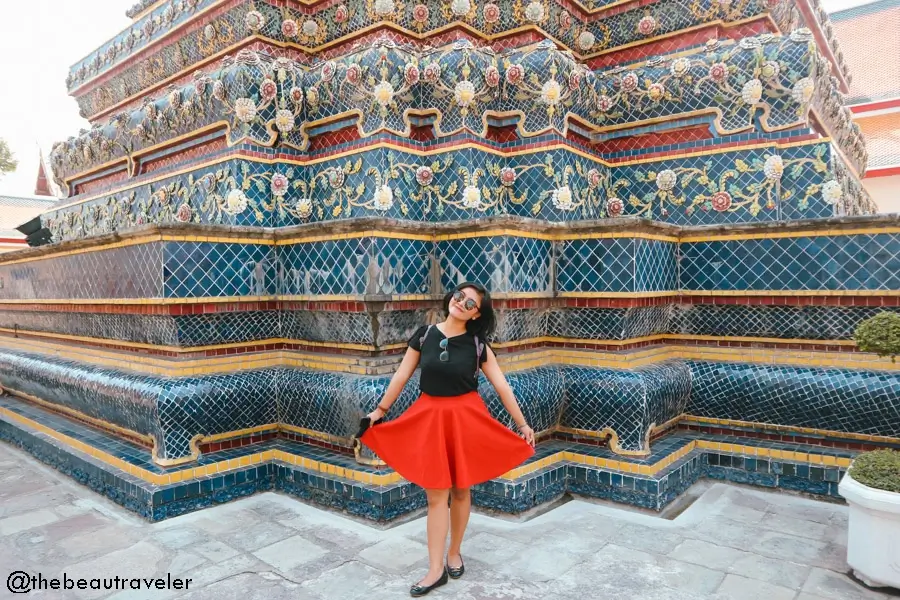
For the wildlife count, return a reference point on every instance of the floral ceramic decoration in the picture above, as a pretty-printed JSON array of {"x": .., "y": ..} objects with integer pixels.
[{"x": 751, "y": 187}]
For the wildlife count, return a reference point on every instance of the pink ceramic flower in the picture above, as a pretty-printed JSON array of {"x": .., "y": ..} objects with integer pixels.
[
  {"x": 491, "y": 12},
  {"x": 341, "y": 14},
  {"x": 721, "y": 201},
  {"x": 614, "y": 207},
  {"x": 289, "y": 28},
  {"x": 647, "y": 25},
  {"x": 515, "y": 74},
  {"x": 492, "y": 76},
  {"x": 420, "y": 13}
]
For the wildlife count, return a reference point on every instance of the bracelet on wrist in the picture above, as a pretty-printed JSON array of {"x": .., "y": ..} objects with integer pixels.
[{"x": 383, "y": 409}]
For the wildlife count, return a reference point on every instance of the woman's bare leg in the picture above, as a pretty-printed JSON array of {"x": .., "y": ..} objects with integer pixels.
[
  {"x": 460, "y": 509},
  {"x": 438, "y": 524}
]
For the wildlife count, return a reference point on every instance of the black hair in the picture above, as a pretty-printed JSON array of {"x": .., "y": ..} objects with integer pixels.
[{"x": 486, "y": 323}]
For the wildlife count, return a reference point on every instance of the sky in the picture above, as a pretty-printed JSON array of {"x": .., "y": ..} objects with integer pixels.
[{"x": 37, "y": 46}]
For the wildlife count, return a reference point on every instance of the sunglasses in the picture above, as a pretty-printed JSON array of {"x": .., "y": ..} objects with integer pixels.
[{"x": 467, "y": 302}]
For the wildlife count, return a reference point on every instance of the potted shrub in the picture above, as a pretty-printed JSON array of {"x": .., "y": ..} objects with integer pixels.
[
  {"x": 872, "y": 490},
  {"x": 880, "y": 335}
]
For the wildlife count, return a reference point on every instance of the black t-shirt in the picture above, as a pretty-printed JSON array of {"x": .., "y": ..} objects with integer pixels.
[{"x": 457, "y": 376}]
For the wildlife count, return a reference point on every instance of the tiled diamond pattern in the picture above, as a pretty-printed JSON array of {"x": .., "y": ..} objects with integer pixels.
[
  {"x": 627, "y": 402},
  {"x": 503, "y": 264},
  {"x": 859, "y": 262},
  {"x": 596, "y": 265},
  {"x": 206, "y": 269},
  {"x": 127, "y": 272},
  {"x": 832, "y": 399},
  {"x": 791, "y": 322}
]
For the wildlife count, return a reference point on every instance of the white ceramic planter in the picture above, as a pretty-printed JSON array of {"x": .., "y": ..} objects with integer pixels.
[{"x": 873, "y": 544}]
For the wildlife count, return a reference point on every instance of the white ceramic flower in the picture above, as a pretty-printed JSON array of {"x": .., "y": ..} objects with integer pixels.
[
  {"x": 666, "y": 180},
  {"x": 304, "y": 208},
  {"x": 471, "y": 197},
  {"x": 384, "y": 7},
  {"x": 235, "y": 202},
  {"x": 803, "y": 90},
  {"x": 752, "y": 91},
  {"x": 310, "y": 28},
  {"x": 551, "y": 92},
  {"x": 562, "y": 198},
  {"x": 773, "y": 167},
  {"x": 464, "y": 93},
  {"x": 279, "y": 184},
  {"x": 507, "y": 176},
  {"x": 460, "y": 8},
  {"x": 284, "y": 120},
  {"x": 656, "y": 91},
  {"x": 770, "y": 69},
  {"x": 255, "y": 20},
  {"x": 245, "y": 110},
  {"x": 384, "y": 198},
  {"x": 586, "y": 40},
  {"x": 384, "y": 93},
  {"x": 534, "y": 12},
  {"x": 832, "y": 192},
  {"x": 680, "y": 67}
]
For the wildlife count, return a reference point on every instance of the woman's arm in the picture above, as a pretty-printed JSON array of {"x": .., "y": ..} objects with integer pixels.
[
  {"x": 492, "y": 371},
  {"x": 398, "y": 381}
]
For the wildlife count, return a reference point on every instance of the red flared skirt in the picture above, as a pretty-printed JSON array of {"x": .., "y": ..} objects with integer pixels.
[{"x": 447, "y": 441}]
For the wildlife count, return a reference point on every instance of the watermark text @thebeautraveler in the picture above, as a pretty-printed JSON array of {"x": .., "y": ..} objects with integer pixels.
[{"x": 20, "y": 582}]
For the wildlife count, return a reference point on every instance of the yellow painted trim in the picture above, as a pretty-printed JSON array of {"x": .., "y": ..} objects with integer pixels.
[
  {"x": 693, "y": 239},
  {"x": 688, "y": 418}
]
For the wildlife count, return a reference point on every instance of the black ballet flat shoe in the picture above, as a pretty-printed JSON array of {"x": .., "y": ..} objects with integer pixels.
[
  {"x": 420, "y": 590},
  {"x": 456, "y": 573}
]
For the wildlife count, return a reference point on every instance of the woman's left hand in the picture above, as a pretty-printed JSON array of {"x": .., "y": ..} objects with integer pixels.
[{"x": 528, "y": 433}]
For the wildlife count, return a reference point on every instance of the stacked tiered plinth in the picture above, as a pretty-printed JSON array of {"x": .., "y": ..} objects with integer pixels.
[{"x": 663, "y": 197}]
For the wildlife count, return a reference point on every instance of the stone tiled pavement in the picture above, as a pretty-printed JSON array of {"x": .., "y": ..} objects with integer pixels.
[{"x": 733, "y": 543}]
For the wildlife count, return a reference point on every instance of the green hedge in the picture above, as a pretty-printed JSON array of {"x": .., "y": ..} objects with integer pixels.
[
  {"x": 880, "y": 334},
  {"x": 879, "y": 469}
]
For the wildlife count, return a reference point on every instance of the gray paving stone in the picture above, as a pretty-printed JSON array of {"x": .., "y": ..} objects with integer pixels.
[
  {"x": 648, "y": 539},
  {"x": 779, "y": 545},
  {"x": 541, "y": 563},
  {"x": 290, "y": 553},
  {"x": 777, "y": 571},
  {"x": 256, "y": 537},
  {"x": 138, "y": 561},
  {"x": 837, "y": 586},
  {"x": 737, "y": 587},
  {"x": 249, "y": 586},
  {"x": 350, "y": 581},
  {"x": 215, "y": 551},
  {"x": 796, "y": 526},
  {"x": 649, "y": 568},
  {"x": 101, "y": 541},
  {"x": 396, "y": 554},
  {"x": 707, "y": 555},
  {"x": 25, "y": 521},
  {"x": 492, "y": 549}
]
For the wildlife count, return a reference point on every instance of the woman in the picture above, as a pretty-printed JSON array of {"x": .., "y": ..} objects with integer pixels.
[{"x": 448, "y": 441}]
